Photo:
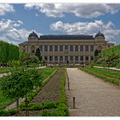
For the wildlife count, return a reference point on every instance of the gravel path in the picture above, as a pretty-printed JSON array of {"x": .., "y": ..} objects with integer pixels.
[{"x": 93, "y": 96}]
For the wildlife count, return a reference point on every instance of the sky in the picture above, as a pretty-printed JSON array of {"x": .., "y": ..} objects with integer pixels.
[{"x": 18, "y": 20}]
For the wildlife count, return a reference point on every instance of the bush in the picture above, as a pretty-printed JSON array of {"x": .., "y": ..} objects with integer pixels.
[
  {"x": 4, "y": 113},
  {"x": 36, "y": 107},
  {"x": 61, "y": 110},
  {"x": 8, "y": 113}
]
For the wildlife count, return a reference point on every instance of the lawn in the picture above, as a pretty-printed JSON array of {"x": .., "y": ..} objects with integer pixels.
[{"x": 104, "y": 72}]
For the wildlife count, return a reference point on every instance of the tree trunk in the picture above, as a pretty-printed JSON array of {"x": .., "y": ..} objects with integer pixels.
[
  {"x": 18, "y": 103},
  {"x": 27, "y": 112}
]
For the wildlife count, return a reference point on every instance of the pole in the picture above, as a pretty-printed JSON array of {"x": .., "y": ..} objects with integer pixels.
[{"x": 73, "y": 102}]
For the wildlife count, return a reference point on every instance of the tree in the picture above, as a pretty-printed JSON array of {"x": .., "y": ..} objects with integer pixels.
[
  {"x": 19, "y": 84},
  {"x": 96, "y": 53},
  {"x": 38, "y": 54},
  {"x": 29, "y": 59}
]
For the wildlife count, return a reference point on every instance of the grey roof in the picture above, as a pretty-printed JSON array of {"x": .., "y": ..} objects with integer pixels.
[
  {"x": 66, "y": 37},
  {"x": 33, "y": 34},
  {"x": 99, "y": 34}
]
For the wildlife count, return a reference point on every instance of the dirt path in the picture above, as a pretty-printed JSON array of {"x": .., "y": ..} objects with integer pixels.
[{"x": 93, "y": 96}]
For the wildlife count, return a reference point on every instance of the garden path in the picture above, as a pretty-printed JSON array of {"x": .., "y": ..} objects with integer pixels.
[{"x": 93, "y": 96}]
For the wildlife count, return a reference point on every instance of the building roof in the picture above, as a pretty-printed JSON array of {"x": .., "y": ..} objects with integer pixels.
[
  {"x": 66, "y": 37},
  {"x": 33, "y": 34},
  {"x": 99, "y": 34}
]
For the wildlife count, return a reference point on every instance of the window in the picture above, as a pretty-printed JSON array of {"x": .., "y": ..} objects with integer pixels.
[
  {"x": 92, "y": 48},
  {"x": 51, "y": 58},
  {"x": 61, "y": 48},
  {"x": 76, "y": 58},
  {"x": 45, "y": 48},
  {"x": 86, "y": 58},
  {"x": 66, "y": 58},
  {"x": 76, "y": 47},
  {"x": 51, "y": 48},
  {"x": 71, "y": 47},
  {"x": 91, "y": 58},
  {"x": 56, "y": 48},
  {"x": 71, "y": 58},
  {"x": 56, "y": 58},
  {"x": 61, "y": 58},
  {"x": 81, "y": 58},
  {"x": 86, "y": 48},
  {"x": 41, "y": 48},
  {"x": 45, "y": 58},
  {"x": 66, "y": 47},
  {"x": 81, "y": 48}
]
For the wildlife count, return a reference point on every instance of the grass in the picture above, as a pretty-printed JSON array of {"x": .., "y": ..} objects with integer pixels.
[
  {"x": 104, "y": 72},
  {"x": 105, "y": 78}
]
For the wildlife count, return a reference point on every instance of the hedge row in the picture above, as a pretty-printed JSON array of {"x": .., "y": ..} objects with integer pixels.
[
  {"x": 8, "y": 52},
  {"x": 100, "y": 76},
  {"x": 109, "y": 51}
]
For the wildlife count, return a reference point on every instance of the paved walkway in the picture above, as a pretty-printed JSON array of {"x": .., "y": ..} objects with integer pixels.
[{"x": 93, "y": 96}]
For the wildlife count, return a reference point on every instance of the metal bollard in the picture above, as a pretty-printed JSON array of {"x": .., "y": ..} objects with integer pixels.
[
  {"x": 73, "y": 102},
  {"x": 68, "y": 86}
]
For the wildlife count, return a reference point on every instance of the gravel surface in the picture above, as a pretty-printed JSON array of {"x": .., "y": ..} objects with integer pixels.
[{"x": 93, "y": 96}]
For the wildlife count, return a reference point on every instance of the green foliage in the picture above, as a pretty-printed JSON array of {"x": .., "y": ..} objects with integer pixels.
[
  {"x": 29, "y": 59},
  {"x": 8, "y": 52},
  {"x": 38, "y": 54},
  {"x": 8, "y": 113},
  {"x": 22, "y": 54},
  {"x": 96, "y": 53},
  {"x": 109, "y": 51},
  {"x": 61, "y": 110},
  {"x": 112, "y": 55},
  {"x": 112, "y": 80}
]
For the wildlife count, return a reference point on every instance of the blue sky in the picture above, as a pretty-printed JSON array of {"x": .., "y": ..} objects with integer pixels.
[{"x": 18, "y": 20}]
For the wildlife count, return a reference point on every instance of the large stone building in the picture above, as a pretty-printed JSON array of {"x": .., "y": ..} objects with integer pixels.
[{"x": 66, "y": 48}]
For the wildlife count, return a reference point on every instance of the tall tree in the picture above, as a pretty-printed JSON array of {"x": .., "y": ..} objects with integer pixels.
[
  {"x": 38, "y": 54},
  {"x": 96, "y": 53}
]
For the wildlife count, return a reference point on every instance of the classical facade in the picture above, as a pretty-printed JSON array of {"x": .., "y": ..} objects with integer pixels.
[{"x": 65, "y": 48}]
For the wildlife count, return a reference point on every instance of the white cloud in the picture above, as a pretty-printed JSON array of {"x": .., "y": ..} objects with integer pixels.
[
  {"x": 5, "y": 39},
  {"x": 4, "y": 8},
  {"x": 87, "y": 28},
  {"x": 9, "y": 24},
  {"x": 11, "y": 31},
  {"x": 36, "y": 14},
  {"x": 79, "y": 10}
]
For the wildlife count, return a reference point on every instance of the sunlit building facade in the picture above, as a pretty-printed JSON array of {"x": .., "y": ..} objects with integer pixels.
[{"x": 65, "y": 48}]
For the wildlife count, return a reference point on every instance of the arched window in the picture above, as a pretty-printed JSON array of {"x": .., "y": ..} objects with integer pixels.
[{"x": 32, "y": 49}]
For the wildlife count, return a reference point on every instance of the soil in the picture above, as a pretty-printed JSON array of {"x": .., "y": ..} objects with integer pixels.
[{"x": 51, "y": 91}]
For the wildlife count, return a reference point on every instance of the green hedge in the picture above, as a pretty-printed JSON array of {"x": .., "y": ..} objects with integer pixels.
[
  {"x": 109, "y": 51},
  {"x": 8, "y": 52}
]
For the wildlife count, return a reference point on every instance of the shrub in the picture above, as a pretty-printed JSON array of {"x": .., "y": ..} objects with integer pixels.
[
  {"x": 4, "y": 113},
  {"x": 36, "y": 107}
]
